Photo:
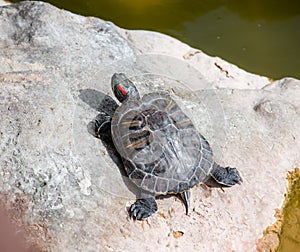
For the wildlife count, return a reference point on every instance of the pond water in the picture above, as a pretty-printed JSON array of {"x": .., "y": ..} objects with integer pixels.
[{"x": 260, "y": 36}]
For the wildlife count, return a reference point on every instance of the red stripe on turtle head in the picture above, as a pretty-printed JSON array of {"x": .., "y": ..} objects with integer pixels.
[{"x": 123, "y": 91}]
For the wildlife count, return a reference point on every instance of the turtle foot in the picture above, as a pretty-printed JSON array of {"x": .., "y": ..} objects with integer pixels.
[
  {"x": 102, "y": 123},
  {"x": 224, "y": 177},
  {"x": 232, "y": 177},
  {"x": 143, "y": 208}
]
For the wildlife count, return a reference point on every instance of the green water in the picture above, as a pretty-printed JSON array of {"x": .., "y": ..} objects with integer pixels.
[{"x": 259, "y": 36}]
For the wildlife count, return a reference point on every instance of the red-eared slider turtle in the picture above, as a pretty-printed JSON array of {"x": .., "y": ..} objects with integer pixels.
[{"x": 161, "y": 150}]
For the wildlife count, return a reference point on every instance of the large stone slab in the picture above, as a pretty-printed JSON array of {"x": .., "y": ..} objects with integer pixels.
[{"x": 55, "y": 70}]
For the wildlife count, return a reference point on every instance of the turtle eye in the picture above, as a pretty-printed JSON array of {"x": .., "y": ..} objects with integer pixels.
[{"x": 122, "y": 90}]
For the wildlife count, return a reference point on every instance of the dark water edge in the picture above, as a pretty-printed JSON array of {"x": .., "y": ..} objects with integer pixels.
[{"x": 262, "y": 37}]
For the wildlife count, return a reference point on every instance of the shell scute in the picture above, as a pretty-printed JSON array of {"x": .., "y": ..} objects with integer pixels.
[
  {"x": 137, "y": 176},
  {"x": 183, "y": 186},
  {"x": 149, "y": 183},
  {"x": 162, "y": 186},
  {"x": 173, "y": 186}
]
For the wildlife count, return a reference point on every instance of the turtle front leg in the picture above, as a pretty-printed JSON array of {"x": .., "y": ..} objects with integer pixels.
[
  {"x": 102, "y": 124},
  {"x": 143, "y": 207}
]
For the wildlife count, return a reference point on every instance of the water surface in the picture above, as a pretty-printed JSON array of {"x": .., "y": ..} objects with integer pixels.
[{"x": 260, "y": 36}]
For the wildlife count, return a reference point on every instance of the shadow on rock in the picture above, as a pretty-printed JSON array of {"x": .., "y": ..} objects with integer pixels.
[{"x": 106, "y": 106}]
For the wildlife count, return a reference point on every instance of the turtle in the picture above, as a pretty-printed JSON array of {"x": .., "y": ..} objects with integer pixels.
[{"x": 162, "y": 152}]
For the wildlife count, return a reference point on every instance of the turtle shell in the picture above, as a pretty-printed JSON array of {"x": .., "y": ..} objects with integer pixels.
[{"x": 161, "y": 149}]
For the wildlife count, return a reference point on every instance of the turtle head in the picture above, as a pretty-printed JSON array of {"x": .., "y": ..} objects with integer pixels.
[{"x": 123, "y": 88}]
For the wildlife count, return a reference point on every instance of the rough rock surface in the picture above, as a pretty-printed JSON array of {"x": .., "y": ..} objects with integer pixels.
[
  {"x": 55, "y": 70},
  {"x": 3, "y": 3}
]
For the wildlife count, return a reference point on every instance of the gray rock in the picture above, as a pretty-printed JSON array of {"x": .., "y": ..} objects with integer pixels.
[
  {"x": 55, "y": 70},
  {"x": 3, "y": 3}
]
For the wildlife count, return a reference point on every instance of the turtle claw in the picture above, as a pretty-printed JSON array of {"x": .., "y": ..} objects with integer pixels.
[{"x": 142, "y": 208}]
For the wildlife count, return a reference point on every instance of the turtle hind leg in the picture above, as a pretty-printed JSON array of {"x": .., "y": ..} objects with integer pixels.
[
  {"x": 223, "y": 177},
  {"x": 143, "y": 208}
]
